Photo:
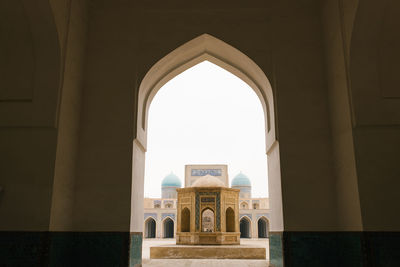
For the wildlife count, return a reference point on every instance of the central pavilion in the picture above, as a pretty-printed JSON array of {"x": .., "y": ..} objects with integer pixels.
[{"x": 208, "y": 213}]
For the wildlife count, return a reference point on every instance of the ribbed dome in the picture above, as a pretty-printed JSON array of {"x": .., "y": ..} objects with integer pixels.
[
  {"x": 241, "y": 180},
  {"x": 208, "y": 181},
  {"x": 171, "y": 180}
]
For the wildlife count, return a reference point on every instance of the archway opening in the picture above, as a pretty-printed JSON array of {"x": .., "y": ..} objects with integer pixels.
[
  {"x": 168, "y": 228},
  {"x": 230, "y": 220},
  {"x": 263, "y": 226},
  {"x": 185, "y": 220},
  {"x": 207, "y": 220},
  {"x": 245, "y": 228},
  {"x": 150, "y": 228},
  {"x": 202, "y": 48}
]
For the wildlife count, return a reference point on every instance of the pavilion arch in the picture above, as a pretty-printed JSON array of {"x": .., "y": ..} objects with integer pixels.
[
  {"x": 205, "y": 47},
  {"x": 185, "y": 220},
  {"x": 212, "y": 223},
  {"x": 230, "y": 220}
]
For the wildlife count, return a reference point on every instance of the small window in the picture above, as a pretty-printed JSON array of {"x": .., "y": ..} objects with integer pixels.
[{"x": 157, "y": 206}]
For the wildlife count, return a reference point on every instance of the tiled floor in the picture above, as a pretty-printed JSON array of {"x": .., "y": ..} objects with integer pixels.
[{"x": 147, "y": 262}]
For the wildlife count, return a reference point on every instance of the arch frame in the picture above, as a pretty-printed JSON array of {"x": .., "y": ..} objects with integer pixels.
[
  {"x": 201, "y": 48},
  {"x": 205, "y": 48}
]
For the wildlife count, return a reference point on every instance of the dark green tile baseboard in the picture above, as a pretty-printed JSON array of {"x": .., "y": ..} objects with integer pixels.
[
  {"x": 353, "y": 249},
  {"x": 64, "y": 249}
]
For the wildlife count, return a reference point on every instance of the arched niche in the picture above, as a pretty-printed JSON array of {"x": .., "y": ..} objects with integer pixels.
[
  {"x": 185, "y": 220},
  {"x": 230, "y": 220}
]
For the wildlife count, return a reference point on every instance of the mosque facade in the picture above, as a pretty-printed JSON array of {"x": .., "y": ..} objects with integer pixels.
[{"x": 160, "y": 214}]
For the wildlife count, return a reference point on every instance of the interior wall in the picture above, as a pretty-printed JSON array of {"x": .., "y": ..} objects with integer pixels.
[
  {"x": 374, "y": 65},
  {"x": 305, "y": 146},
  {"x": 29, "y": 85},
  {"x": 283, "y": 39}
]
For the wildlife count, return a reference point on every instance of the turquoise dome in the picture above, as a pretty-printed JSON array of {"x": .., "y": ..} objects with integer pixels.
[
  {"x": 171, "y": 180},
  {"x": 241, "y": 180}
]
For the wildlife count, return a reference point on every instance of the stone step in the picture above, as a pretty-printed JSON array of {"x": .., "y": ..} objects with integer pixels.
[
  {"x": 208, "y": 252},
  {"x": 203, "y": 262}
]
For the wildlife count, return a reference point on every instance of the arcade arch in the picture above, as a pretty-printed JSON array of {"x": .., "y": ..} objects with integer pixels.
[
  {"x": 150, "y": 228},
  {"x": 262, "y": 227},
  {"x": 245, "y": 227},
  {"x": 168, "y": 228}
]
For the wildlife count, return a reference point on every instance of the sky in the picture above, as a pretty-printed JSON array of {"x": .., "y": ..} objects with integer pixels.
[{"x": 206, "y": 115}]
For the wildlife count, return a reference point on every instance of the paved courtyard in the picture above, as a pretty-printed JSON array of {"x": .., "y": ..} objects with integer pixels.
[{"x": 147, "y": 262}]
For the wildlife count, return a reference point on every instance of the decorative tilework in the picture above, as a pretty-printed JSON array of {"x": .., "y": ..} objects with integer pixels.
[
  {"x": 147, "y": 215},
  {"x": 203, "y": 172},
  {"x": 328, "y": 249},
  {"x": 275, "y": 249},
  {"x": 164, "y": 215},
  {"x": 136, "y": 249},
  {"x": 262, "y": 215},
  {"x": 245, "y": 214}
]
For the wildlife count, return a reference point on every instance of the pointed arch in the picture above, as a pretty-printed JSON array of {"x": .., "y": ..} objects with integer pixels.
[
  {"x": 263, "y": 227},
  {"x": 150, "y": 227},
  {"x": 168, "y": 227},
  {"x": 245, "y": 227},
  {"x": 205, "y": 47},
  {"x": 230, "y": 220},
  {"x": 185, "y": 220}
]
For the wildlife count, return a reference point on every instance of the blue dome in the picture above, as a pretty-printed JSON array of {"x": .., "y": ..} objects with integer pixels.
[
  {"x": 241, "y": 180},
  {"x": 171, "y": 180}
]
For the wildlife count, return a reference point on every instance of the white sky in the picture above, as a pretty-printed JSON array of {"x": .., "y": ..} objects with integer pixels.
[{"x": 206, "y": 115}]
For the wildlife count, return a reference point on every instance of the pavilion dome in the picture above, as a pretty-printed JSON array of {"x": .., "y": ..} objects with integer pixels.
[
  {"x": 241, "y": 180},
  {"x": 171, "y": 180},
  {"x": 208, "y": 181}
]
